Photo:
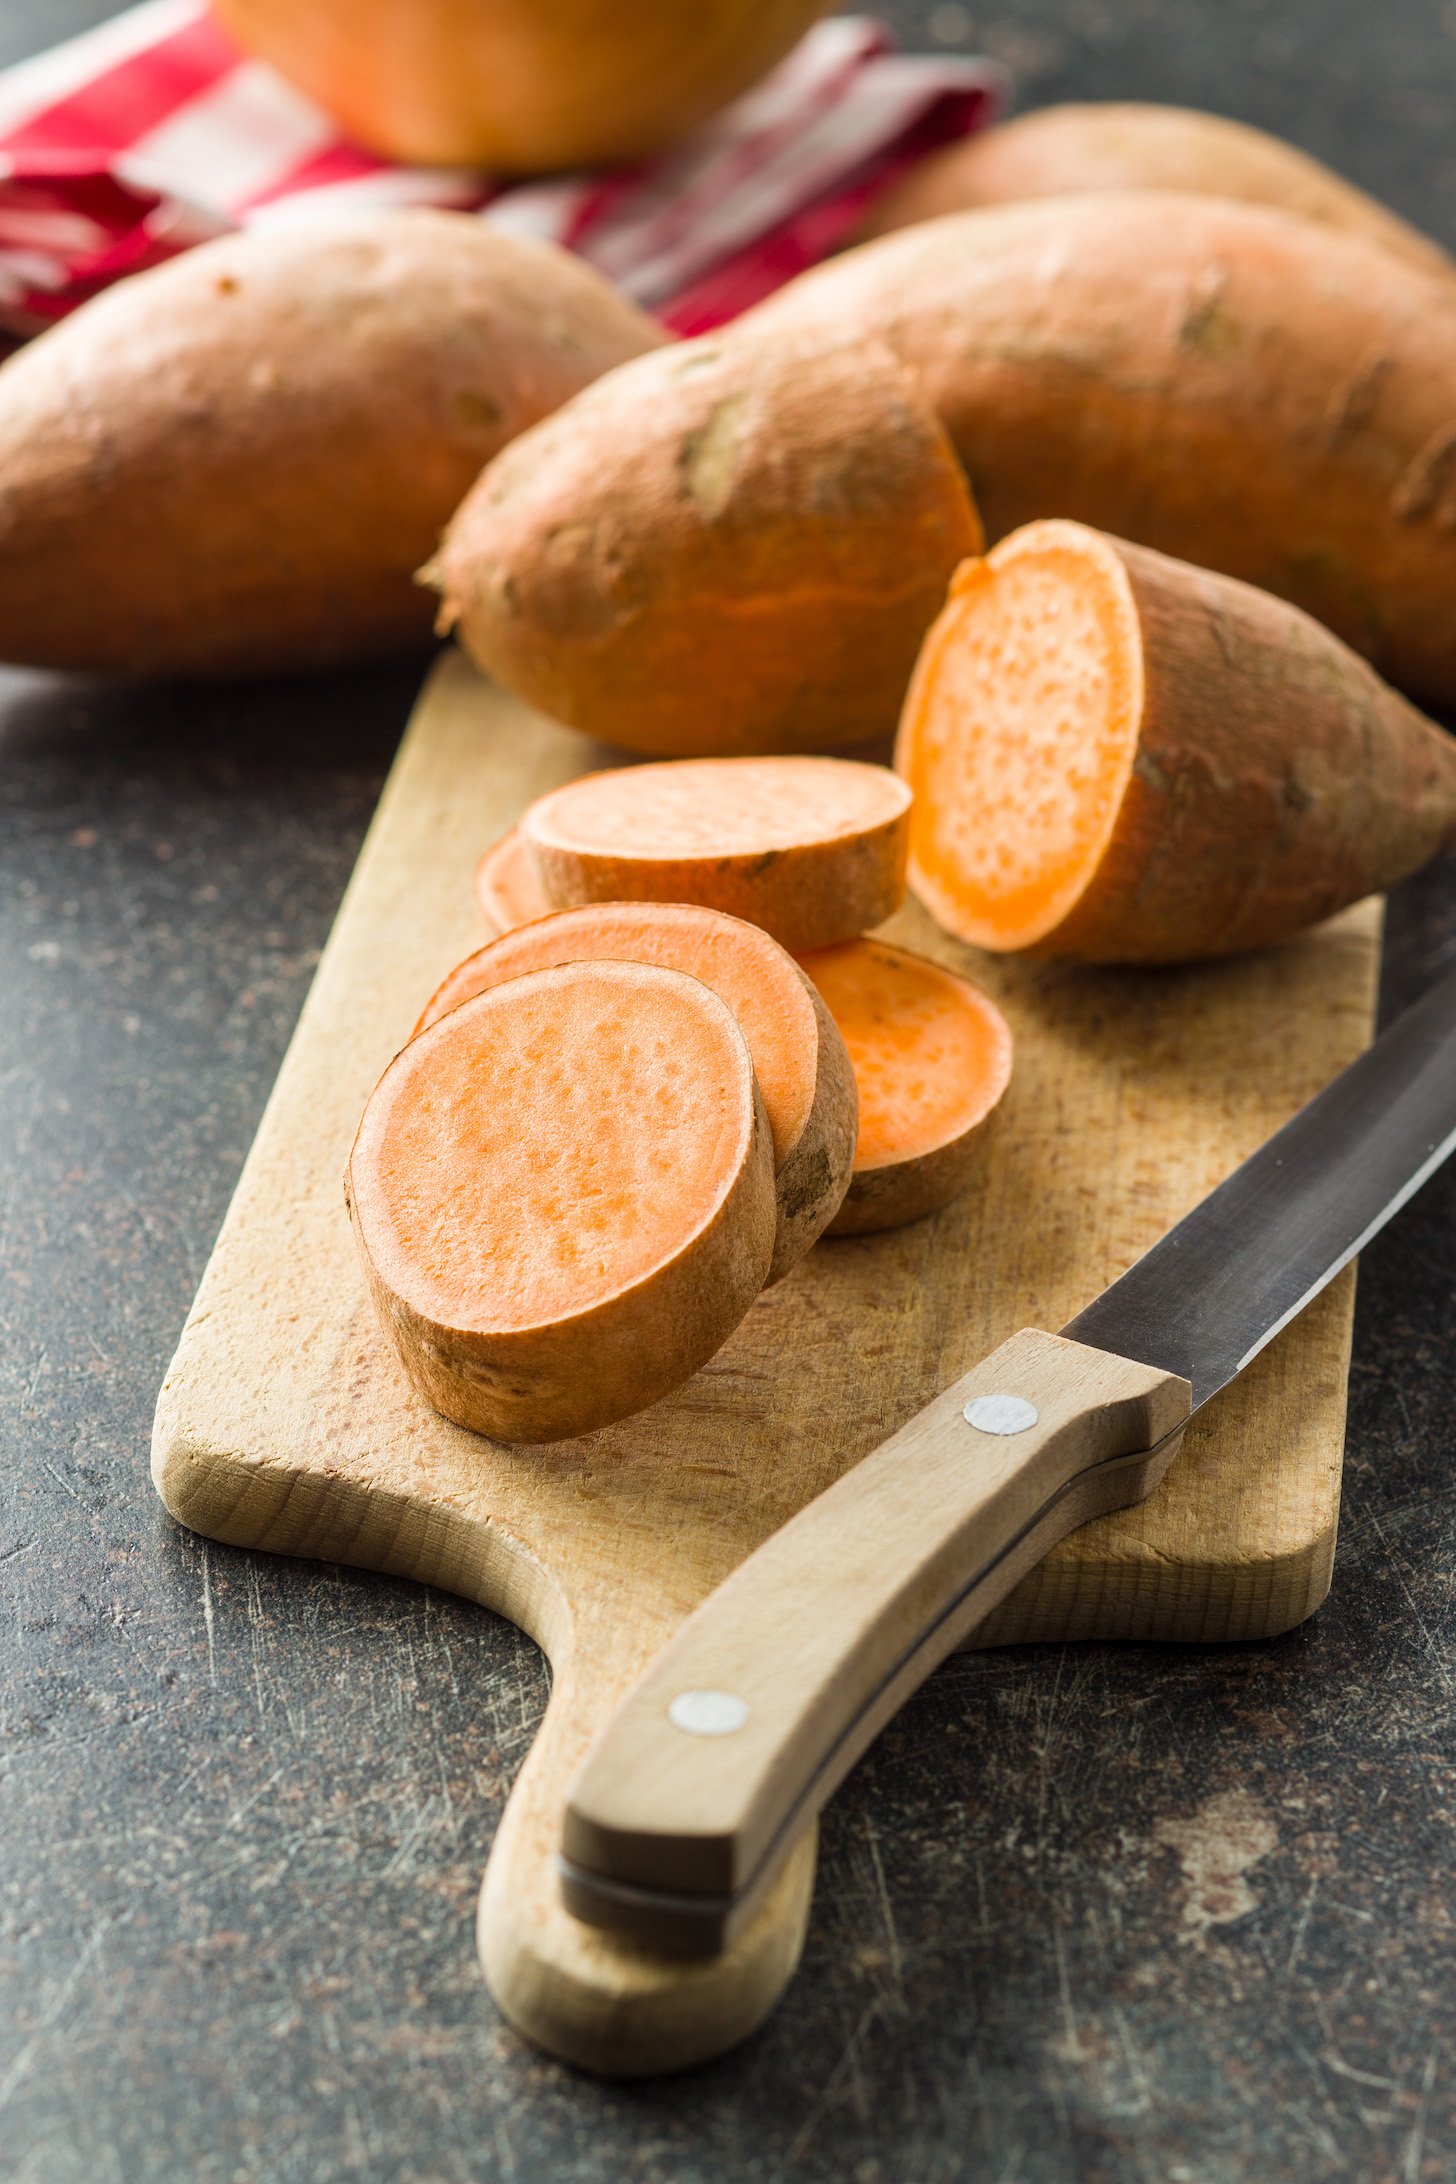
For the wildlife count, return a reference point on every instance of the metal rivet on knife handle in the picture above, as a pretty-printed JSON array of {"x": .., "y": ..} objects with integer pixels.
[
  {"x": 707, "y": 1713},
  {"x": 1000, "y": 1414}
]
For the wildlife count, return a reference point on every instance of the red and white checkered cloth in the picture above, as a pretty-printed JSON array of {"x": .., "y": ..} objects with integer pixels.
[{"x": 137, "y": 140}]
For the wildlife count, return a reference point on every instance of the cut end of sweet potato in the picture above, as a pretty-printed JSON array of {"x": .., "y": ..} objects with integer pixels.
[
  {"x": 811, "y": 849},
  {"x": 507, "y": 890},
  {"x": 799, "y": 1059},
  {"x": 1019, "y": 734},
  {"x": 1120, "y": 758},
  {"x": 932, "y": 1057},
  {"x": 563, "y": 1197}
]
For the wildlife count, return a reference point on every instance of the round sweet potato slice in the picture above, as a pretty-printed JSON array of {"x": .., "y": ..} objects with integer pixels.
[
  {"x": 811, "y": 849},
  {"x": 932, "y": 1057},
  {"x": 563, "y": 1197},
  {"x": 507, "y": 891},
  {"x": 799, "y": 1058}
]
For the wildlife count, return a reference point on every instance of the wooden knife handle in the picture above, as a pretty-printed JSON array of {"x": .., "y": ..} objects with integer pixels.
[{"x": 746, "y": 1723}]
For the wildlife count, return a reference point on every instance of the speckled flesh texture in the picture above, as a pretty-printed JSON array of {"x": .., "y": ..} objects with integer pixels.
[
  {"x": 507, "y": 890},
  {"x": 1119, "y": 758},
  {"x": 563, "y": 1197},
  {"x": 516, "y": 87},
  {"x": 811, "y": 849},
  {"x": 730, "y": 547},
  {"x": 237, "y": 461},
  {"x": 1065, "y": 150},
  {"x": 799, "y": 1058},
  {"x": 932, "y": 1058},
  {"x": 1221, "y": 381}
]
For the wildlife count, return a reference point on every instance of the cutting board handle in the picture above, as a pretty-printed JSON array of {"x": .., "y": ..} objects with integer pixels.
[{"x": 745, "y": 1724}]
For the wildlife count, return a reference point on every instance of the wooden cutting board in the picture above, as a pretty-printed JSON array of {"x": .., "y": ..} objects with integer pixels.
[{"x": 285, "y": 1422}]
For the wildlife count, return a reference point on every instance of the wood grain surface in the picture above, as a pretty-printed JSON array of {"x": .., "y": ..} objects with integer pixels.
[{"x": 285, "y": 1423}]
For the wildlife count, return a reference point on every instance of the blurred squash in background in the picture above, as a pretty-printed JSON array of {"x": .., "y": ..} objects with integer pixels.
[{"x": 520, "y": 86}]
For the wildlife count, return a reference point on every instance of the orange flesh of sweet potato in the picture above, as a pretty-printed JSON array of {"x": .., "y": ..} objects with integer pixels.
[
  {"x": 1119, "y": 758},
  {"x": 932, "y": 1057},
  {"x": 803, "y": 1071},
  {"x": 563, "y": 1197},
  {"x": 507, "y": 891},
  {"x": 811, "y": 849},
  {"x": 1024, "y": 738}
]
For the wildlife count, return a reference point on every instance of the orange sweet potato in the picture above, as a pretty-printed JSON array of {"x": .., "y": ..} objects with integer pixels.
[
  {"x": 236, "y": 461},
  {"x": 563, "y": 1197},
  {"x": 1063, "y": 150},
  {"x": 507, "y": 890},
  {"x": 729, "y": 547},
  {"x": 1224, "y": 382},
  {"x": 1120, "y": 758},
  {"x": 811, "y": 849},
  {"x": 932, "y": 1057},
  {"x": 798, "y": 1056}
]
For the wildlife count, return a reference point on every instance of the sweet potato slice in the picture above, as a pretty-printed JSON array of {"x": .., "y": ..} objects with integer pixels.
[
  {"x": 811, "y": 849},
  {"x": 507, "y": 891},
  {"x": 563, "y": 1197},
  {"x": 932, "y": 1057},
  {"x": 798, "y": 1055},
  {"x": 1123, "y": 759}
]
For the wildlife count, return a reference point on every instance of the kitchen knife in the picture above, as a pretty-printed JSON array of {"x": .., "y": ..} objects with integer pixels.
[{"x": 748, "y": 1720}]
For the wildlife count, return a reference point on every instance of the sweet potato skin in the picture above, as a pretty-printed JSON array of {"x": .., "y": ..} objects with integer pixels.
[
  {"x": 1276, "y": 779},
  {"x": 726, "y": 548},
  {"x": 1223, "y": 382},
  {"x": 908, "y": 1190},
  {"x": 1123, "y": 145},
  {"x": 236, "y": 461}
]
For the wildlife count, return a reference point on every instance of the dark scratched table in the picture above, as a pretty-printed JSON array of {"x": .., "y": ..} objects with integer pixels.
[{"x": 1133, "y": 1913}]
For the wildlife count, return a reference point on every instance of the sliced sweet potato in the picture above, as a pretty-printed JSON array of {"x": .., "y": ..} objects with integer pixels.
[
  {"x": 563, "y": 1197},
  {"x": 798, "y": 1055},
  {"x": 932, "y": 1057},
  {"x": 736, "y": 549},
  {"x": 811, "y": 849},
  {"x": 1123, "y": 759},
  {"x": 507, "y": 890},
  {"x": 1062, "y": 151}
]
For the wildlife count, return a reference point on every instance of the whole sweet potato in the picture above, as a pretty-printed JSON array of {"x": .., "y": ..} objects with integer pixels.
[
  {"x": 1233, "y": 385},
  {"x": 236, "y": 462},
  {"x": 1122, "y": 145},
  {"x": 732, "y": 546}
]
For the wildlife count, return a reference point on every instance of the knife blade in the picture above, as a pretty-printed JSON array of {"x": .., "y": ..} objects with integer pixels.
[{"x": 736, "y": 1735}]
